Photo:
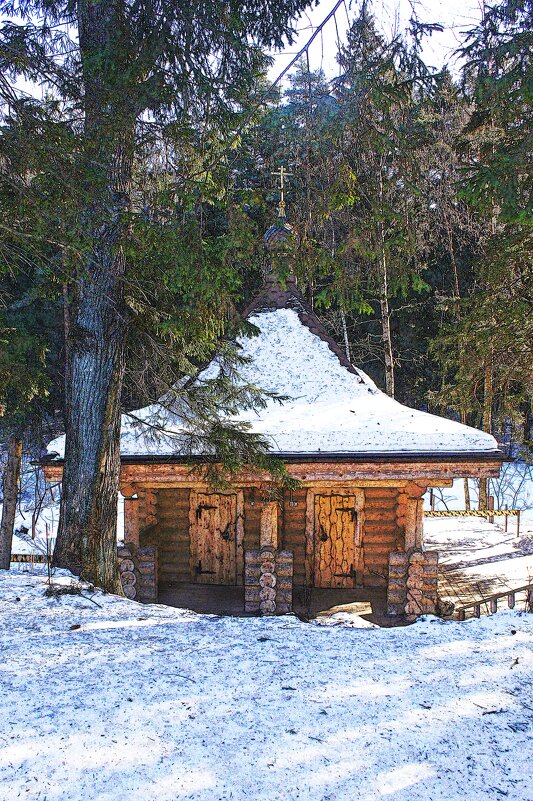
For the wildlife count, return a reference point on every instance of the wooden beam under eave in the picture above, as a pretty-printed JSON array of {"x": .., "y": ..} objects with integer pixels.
[
  {"x": 248, "y": 483},
  {"x": 354, "y": 472},
  {"x": 167, "y": 474}
]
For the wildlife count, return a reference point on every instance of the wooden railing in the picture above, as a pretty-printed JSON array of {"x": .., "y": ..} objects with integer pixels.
[
  {"x": 488, "y": 514},
  {"x": 491, "y": 602},
  {"x": 37, "y": 558}
]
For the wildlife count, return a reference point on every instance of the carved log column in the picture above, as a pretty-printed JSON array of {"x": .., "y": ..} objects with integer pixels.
[
  {"x": 268, "y": 541},
  {"x": 147, "y": 508},
  {"x": 410, "y": 515},
  {"x": 131, "y": 514},
  {"x": 413, "y": 573},
  {"x": 269, "y": 525},
  {"x": 131, "y": 520},
  {"x": 268, "y": 572}
]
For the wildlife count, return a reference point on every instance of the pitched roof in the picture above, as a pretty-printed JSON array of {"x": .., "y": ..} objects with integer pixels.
[{"x": 333, "y": 407}]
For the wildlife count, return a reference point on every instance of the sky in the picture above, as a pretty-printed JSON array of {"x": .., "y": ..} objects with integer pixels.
[{"x": 392, "y": 16}]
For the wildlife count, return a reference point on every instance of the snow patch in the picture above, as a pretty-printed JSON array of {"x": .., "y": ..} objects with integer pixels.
[{"x": 108, "y": 699}]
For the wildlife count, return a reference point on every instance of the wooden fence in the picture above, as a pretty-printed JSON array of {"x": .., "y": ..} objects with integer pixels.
[
  {"x": 30, "y": 558},
  {"x": 488, "y": 514},
  {"x": 491, "y": 602}
]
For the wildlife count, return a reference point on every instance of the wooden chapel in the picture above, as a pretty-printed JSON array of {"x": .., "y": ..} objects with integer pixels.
[{"x": 362, "y": 461}]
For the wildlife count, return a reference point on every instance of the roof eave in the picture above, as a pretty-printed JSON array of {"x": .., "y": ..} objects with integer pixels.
[{"x": 342, "y": 458}]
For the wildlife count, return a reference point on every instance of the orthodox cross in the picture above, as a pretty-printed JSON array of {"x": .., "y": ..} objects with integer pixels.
[{"x": 282, "y": 174}]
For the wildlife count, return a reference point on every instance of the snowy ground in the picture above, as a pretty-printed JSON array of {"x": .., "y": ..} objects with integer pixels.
[
  {"x": 479, "y": 558},
  {"x": 122, "y": 701}
]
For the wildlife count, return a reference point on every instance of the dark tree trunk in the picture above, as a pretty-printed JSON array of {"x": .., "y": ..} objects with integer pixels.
[
  {"x": 86, "y": 541},
  {"x": 384, "y": 303},
  {"x": 387, "y": 344},
  {"x": 10, "y": 491},
  {"x": 487, "y": 426}
]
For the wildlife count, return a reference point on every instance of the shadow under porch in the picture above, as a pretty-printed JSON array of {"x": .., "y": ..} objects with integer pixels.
[{"x": 368, "y": 603}]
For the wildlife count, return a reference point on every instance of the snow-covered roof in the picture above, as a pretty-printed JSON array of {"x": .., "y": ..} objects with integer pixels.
[{"x": 332, "y": 408}]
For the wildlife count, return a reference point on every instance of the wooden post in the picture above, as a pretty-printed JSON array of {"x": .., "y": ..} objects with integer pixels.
[
  {"x": 518, "y": 524},
  {"x": 131, "y": 520},
  {"x": 269, "y": 525},
  {"x": 414, "y": 516},
  {"x": 511, "y": 600},
  {"x": 493, "y": 605},
  {"x": 505, "y": 519},
  {"x": 491, "y": 507}
]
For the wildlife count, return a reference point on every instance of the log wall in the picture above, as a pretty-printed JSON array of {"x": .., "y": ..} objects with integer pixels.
[
  {"x": 381, "y": 534},
  {"x": 252, "y": 519},
  {"x": 170, "y": 535},
  {"x": 165, "y": 519},
  {"x": 292, "y": 529}
]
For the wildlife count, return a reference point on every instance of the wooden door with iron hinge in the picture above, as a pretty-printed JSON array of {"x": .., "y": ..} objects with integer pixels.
[
  {"x": 216, "y": 537},
  {"x": 337, "y": 541}
]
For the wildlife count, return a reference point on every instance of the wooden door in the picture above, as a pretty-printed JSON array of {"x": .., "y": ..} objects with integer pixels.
[
  {"x": 214, "y": 538},
  {"x": 337, "y": 551}
]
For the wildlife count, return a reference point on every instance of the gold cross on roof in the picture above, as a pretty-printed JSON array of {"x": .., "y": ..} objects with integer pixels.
[{"x": 282, "y": 173}]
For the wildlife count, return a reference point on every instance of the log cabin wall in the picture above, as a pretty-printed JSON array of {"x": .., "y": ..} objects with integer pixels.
[
  {"x": 292, "y": 530},
  {"x": 169, "y": 530},
  {"x": 170, "y": 536},
  {"x": 252, "y": 518},
  {"x": 164, "y": 518},
  {"x": 381, "y": 534}
]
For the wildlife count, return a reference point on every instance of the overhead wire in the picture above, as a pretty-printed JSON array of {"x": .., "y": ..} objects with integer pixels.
[{"x": 268, "y": 92}]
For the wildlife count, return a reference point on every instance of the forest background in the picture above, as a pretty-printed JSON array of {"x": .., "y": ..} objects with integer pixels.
[{"x": 409, "y": 190}]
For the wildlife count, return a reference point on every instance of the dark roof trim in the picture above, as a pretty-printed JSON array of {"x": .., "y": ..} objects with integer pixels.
[
  {"x": 486, "y": 456},
  {"x": 343, "y": 458}
]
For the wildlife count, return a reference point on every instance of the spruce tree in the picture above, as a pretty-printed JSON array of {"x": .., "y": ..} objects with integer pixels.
[{"x": 126, "y": 66}]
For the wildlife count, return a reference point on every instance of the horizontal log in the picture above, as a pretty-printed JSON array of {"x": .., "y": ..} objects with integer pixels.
[
  {"x": 391, "y": 470},
  {"x": 167, "y": 513},
  {"x": 387, "y": 526},
  {"x": 172, "y": 567},
  {"x": 378, "y": 538},
  {"x": 173, "y": 544},
  {"x": 361, "y": 474},
  {"x": 171, "y": 534},
  {"x": 370, "y": 580},
  {"x": 380, "y": 512},
  {"x": 297, "y": 539},
  {"x": 373, "y": 557},
  {"x": 383, "y": 544},
  {"x": 173, "y": 579}
]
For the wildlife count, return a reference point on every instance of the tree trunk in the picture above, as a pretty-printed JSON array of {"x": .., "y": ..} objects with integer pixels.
[
  {"x": 86, "y": 541},
  {"x": 387, "y": 345},
  {"x": 10, "y": 493},
  {"x": 384, "y": 305},
  {"x": 345, "y": 337},
  {"x": 487, "y": 426}
]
